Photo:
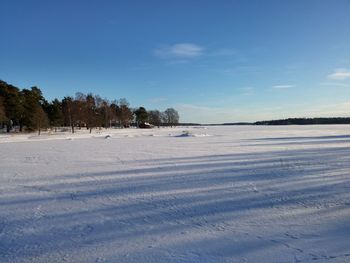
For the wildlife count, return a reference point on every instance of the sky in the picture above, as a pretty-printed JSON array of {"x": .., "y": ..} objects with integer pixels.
[{"x": 213, "y": 61}]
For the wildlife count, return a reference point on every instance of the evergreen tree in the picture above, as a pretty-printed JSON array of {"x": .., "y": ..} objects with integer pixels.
[
  {"x": 33, "y": 112},
  {"x": 2, "y": 111},
  {"x": 28, "y": 109},
  {"x": 12, "y": 103},
  {"x": 141, "y": 115},
  {"x": 55, "y": 113}
]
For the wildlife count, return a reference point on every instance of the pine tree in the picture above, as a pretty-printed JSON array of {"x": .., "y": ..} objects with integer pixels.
[
  {"x": 2, "y": 111},
  {"x": 141, "y": 115},
  {"x": 12, "y": 103},
  {"x": 55, "y": 113},
  {"x": 32, "y": 101}
]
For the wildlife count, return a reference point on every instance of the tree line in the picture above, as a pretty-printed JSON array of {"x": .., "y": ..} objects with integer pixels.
[
  {"x": 306, "y": 121},
  {"x": 28, "y": 110}
]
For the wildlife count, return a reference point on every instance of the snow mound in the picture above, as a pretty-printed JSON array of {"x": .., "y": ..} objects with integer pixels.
[
  {"x": 201, "y": 135},
  {"x": 190, "y": 134}
]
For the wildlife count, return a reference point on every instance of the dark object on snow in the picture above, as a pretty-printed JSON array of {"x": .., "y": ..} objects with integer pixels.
[{"x": 145, "y": 125}]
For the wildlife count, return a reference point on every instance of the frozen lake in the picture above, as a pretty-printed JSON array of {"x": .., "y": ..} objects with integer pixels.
[{"x": 187, "y": 194}]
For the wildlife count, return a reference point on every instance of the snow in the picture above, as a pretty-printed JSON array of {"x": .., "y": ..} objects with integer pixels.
[{"x": 219, "y": 194}]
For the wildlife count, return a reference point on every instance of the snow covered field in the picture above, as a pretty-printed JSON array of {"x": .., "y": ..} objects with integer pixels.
[{"x": 205, "y": 194}]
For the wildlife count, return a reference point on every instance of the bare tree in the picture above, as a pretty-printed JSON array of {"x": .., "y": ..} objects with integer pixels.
[
  {"x": 155, "y": 117},
  {"x": 105, "y": 112},
  {"x": 41, "y": 119},
  {"x": 113, "y": 112},
  {"x": 124, "y": 113},
  {"x": 91, "y": 113},
  {"x": 171, "y": 117},
  {"x": 69, "y": 111},
  {"x": 27, "y": 108}
]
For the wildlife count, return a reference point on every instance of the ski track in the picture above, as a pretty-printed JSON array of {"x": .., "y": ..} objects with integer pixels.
[{"x": 186, "y": 194}]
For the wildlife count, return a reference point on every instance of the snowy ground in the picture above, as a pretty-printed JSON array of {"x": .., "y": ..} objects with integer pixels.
[{"x": 214, "y": 194}]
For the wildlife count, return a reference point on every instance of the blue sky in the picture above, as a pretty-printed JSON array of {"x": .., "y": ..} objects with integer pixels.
[{"x": 214, "y": 61}]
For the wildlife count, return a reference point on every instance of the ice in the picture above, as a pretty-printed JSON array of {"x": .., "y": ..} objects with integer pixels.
[{"x": 234, "y": 194}]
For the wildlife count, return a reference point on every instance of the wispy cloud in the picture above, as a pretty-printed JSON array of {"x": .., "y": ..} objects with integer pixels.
[
  {"x": 179, "y": 51},
  {"x": 282, "y": 87},
  {"x": 340, "y": 74}
]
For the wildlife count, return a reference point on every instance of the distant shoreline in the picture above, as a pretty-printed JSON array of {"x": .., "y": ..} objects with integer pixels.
[{"x": 297, "y": 121}]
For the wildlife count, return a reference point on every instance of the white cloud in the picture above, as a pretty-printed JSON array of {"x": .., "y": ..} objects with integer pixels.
[
  {"x": 179, "y": 51},
  {"x": 282, "y": 87},
  {"x": 340, "y": 74}
]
